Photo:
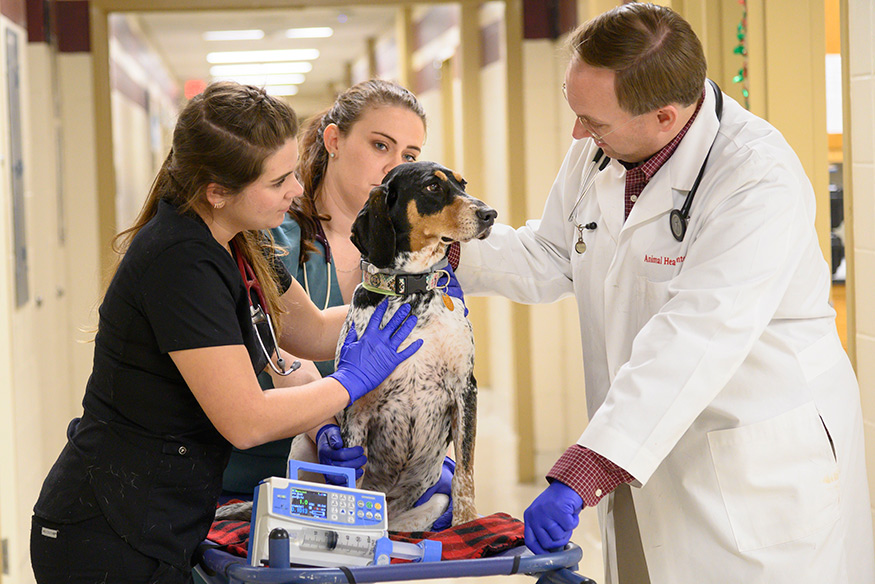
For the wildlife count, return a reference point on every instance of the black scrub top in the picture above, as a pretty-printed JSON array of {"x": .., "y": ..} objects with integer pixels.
[{"x": 144, "y": 454}]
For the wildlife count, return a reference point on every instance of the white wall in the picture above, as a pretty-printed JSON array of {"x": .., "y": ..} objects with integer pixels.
[{"x": 861, "y": 64}]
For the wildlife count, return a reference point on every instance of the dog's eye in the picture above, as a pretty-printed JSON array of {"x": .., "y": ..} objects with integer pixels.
[{"x": 432, "y": 188}]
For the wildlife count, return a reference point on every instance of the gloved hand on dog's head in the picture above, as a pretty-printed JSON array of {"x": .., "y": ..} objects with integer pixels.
[
  {"x": 329, "y": 445},
  {"x": 444, "y": 486},
  {"x": 364, "y": 363}
]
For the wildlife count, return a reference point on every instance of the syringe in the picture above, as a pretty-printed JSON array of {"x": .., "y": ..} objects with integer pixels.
[
  {"x": 350, "y": 544},
  {"x": 326, "y": 540}
]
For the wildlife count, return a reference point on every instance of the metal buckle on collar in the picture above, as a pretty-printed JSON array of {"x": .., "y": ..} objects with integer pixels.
[{"x": 396, "y": 284}]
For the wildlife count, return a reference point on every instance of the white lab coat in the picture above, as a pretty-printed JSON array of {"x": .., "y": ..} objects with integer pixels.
[{"x": 712, "y": 365}]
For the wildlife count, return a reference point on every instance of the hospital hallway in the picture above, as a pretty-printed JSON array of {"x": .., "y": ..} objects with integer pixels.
[{"x": 90, "y": 97}]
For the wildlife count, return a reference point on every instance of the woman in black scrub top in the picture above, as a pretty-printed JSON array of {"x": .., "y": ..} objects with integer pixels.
[{"x": 173, "y": 384}]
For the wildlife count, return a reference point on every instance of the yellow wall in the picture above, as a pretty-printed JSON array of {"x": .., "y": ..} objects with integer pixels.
[
  {"x": 8, "y": 455},
  {"x": 44, "y": 368}
]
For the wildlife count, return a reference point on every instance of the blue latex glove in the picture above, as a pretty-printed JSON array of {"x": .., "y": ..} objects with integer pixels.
[
  {"x": 444, "y": 485},
  {"x": 551, "y": 518},
  {"x": 453, "y": 288},
  {"x": 364, "y": 363},
  {"x": 329, "y": 445}
]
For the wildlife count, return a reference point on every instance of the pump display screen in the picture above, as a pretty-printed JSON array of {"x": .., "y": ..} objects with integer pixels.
[{"x": 308, "y": 503}]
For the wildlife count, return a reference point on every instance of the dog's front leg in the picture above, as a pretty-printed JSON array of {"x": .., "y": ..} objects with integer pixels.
[{"x": 464, "y": 430}]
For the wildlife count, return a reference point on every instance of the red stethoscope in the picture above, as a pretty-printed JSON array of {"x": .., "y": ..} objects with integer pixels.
[{"x": 259, "y": 313}]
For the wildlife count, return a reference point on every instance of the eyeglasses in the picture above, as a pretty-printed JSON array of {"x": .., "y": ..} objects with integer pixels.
[{"x": 588, "y": 127}]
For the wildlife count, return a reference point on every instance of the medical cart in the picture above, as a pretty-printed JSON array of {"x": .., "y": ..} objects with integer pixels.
[
  {"x": 319, "y": 525},
  {"x": 218, "y": 567}
]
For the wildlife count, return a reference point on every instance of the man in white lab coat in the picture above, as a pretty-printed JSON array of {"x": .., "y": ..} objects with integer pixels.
[{"x": 725, "y": 441}]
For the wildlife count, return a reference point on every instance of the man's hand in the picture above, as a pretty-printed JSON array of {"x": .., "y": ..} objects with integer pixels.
[{"x": 551, "y": 518}]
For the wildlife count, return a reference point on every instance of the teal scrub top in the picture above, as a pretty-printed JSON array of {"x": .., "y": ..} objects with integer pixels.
[{"x": 249, "y": 467}]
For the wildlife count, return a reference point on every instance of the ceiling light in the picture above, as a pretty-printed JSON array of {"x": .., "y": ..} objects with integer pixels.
[
  {"x": 281, "y": 90},
  {"x": 261, "y": 68},
  {"x": 261, "y": 80},
  {"x": 314, "y": 32},
  {"x": 233, "y": 35},
  {"x": 259, "y": 56}
]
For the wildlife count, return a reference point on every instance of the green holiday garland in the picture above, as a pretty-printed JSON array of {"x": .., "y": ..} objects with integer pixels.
[{"x": 741, "y": 49}]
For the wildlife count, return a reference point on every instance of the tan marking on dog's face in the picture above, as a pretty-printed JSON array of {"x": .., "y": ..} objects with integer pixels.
[
  {"x": 426, "y": 230},
  {"x": 458, "y": 177},
  {"x": 440, "y": 174}
]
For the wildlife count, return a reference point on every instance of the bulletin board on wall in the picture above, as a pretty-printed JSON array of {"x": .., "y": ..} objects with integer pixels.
[{"x": 13, "y": 44}]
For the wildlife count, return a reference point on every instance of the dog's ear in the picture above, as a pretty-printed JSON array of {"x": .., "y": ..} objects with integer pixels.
[{"x": 372, "y": 230}]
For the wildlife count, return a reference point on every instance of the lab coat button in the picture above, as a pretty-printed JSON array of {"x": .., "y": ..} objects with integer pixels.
[{"x": 182, "y": 450}]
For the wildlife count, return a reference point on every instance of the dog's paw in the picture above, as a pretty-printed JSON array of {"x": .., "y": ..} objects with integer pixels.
[{"x": 463, "y": 512}]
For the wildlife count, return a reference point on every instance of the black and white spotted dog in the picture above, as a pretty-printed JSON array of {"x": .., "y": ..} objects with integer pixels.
[{"x": 406, "y": 424}]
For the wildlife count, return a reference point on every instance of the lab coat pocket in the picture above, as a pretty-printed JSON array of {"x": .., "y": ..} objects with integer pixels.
[{"x": 778, "y": 478}]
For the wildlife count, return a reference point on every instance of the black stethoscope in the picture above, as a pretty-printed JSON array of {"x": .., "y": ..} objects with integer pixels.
[
  {"x": 678, "y": 218},
  {"x": 260, "y": 314}
]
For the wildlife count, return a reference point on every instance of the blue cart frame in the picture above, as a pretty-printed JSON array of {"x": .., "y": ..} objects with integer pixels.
[{"x": 219, "y": 567}]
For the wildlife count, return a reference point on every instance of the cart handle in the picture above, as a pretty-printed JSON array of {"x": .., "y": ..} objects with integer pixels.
[{"x": 295, "y": 466}]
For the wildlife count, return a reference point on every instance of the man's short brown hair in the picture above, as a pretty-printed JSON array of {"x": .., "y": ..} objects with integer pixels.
[{"x": 657, "y": 58}]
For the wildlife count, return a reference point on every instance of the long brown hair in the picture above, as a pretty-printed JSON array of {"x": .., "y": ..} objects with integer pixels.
[
  {"x": 657, "y": 58},
  {"x": 348, "y": 108},
  {"x": 222, "y": 136}
]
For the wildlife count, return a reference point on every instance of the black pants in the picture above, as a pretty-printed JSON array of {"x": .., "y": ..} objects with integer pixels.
[{"x": 90, "y": 552}]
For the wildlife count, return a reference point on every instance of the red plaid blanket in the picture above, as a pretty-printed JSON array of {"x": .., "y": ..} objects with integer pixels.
[{"x": 481, "y": 538}]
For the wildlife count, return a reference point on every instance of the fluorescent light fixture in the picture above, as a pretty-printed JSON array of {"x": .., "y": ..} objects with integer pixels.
[
  {"x": 263, "y": 56},
  {"x": 234, "y": 35},
  {"x": 281, "y": 90},
  {"x": 313, "y": 32},
  {"x": 262, "y": 80},
  {"x": 261, "y": 69}
]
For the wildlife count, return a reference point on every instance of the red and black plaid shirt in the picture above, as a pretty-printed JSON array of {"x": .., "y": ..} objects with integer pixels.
[{"x": 638, "y": 176}]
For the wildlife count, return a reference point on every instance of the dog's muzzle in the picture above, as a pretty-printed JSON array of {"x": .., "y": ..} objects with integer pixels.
[{"x": 486, "y": 217}]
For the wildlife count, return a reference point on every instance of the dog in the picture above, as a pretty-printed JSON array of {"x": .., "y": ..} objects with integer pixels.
[{"x": 406, "y": 425}]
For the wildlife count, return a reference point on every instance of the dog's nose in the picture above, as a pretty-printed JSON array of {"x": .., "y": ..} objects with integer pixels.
[{"x": 487, "y": 215}]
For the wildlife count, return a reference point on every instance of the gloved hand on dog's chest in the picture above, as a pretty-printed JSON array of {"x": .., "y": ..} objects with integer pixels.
[
  {"x": 444, "y": 486},
  {"x": 364, "y": 363},
  {"x": 329, "y": 445}
]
